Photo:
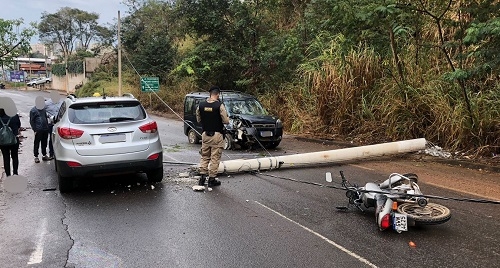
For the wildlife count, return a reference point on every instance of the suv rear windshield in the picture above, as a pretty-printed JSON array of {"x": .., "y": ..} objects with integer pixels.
[{"x": 105, "y": 112}]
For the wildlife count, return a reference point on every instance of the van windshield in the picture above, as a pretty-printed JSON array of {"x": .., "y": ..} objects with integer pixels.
[{"x": 244, "y": 106}]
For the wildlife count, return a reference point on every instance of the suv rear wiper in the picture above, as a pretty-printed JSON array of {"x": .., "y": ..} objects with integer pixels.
[{"x": 118, "y": 119}]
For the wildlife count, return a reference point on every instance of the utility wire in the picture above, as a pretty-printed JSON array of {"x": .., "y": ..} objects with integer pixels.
[
  {"x": 168, "y": 106},
  {"x": 472, "y": 200}
]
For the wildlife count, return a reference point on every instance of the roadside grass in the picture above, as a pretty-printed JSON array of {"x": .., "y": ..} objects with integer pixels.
[{"x": 354, "y": 96}]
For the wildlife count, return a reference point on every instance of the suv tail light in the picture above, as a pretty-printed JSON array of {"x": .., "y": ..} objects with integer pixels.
[
  {"x": 73, "y": 164},
  {"x": 69, "y": 133},
  {"x": 150, "y": 127},
  {"x": 154, "y": 156}
]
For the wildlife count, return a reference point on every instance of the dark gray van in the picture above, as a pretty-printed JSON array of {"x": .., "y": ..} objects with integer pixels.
[{"x": 250, "y": 125}]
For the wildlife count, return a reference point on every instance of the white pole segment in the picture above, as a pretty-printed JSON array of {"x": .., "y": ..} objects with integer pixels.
[{"x": 323, "y": 157}]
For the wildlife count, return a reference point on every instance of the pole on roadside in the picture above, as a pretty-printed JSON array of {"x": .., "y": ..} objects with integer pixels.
[
  {"x": 66, "y": 69},
  {"x": 119, "y": 58}
]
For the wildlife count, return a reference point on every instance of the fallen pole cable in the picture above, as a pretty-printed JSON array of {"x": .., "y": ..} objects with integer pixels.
[
  {"x": 179, "y": 163},
  {"x": 472, "y": 200}
]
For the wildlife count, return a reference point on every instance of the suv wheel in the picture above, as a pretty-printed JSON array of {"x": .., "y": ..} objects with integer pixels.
[
  {"x": 155, "y": 175},
  {"x": 192, "y": 137},
  {"x": 65, "y": 184},
  {"x": 228, "y": 142}
]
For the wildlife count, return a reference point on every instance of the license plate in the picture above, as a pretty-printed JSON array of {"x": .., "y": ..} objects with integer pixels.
[
  {"x": 400, "y": 222},
  {"x": 110, "y": 138},
  {"x": 266, "y": 133}
]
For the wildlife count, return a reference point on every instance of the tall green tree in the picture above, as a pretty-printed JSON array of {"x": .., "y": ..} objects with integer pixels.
[
  {"x": 13, "y": 40},
  {"x": 482, "y": 33},
  {"x": 236, "y": 44},
  {"x": 147, "y": 36},
  {"x": 71, "y": 28}
]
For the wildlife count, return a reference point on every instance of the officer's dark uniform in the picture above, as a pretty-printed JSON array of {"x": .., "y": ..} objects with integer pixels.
[{"x": 212, "y": 115}]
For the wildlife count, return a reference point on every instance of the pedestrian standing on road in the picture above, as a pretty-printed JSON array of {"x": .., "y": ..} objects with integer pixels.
[
  {"x": 212, "y": 115},
  {"x": 52, "y": 106},
  {"x": 40, "y": 125},
  {"x": 11, "y": 151}
]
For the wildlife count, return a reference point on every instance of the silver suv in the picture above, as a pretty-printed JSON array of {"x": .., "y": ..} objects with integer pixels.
[{"x": 99, "y": 136}]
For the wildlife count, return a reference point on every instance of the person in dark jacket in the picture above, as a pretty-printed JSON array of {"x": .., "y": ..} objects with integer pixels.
[
  {"x": 52, "y": 106},
  {"x": 11, "y": 151},
  {"x": 212, "y": 115},
  {"x": 40, "y": 125}
]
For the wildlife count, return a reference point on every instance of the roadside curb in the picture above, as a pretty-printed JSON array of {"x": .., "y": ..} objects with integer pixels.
[{"x": 451, "y": 162}]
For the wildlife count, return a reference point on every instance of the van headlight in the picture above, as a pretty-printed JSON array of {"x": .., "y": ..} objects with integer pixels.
[{"x": 279, "y": 123}]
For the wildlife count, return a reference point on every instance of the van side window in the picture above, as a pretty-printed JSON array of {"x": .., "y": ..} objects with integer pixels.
[
  {"x": 196, "y": 103},
  {"x": 188, "y": 105}
]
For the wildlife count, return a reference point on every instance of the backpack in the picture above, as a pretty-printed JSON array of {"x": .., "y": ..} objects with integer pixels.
[{"x": 7, "y": 137}]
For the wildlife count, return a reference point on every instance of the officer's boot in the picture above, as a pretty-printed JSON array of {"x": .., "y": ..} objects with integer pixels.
[
  {"x": 201, "y": 181},
  {"x": 213, "y": 182}
]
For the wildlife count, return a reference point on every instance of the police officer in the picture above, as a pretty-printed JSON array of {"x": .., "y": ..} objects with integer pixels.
[{"x": 212, "y": 115}]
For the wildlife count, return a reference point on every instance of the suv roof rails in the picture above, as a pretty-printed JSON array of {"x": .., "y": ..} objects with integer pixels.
[{"x": 71, "y": 97}]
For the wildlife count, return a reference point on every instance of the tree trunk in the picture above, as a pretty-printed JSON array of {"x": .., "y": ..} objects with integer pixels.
[{"x": 397, "y": 61}]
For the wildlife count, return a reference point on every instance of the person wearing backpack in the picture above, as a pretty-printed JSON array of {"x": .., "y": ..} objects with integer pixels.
[{"x": 10, "y": 150}]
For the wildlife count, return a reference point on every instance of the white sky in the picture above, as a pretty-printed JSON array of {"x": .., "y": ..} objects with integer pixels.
[{"x": 31, "y": 10}]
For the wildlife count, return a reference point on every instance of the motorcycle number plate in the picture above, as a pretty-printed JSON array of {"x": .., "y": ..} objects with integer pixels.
[{"x": 400, "y": 222}]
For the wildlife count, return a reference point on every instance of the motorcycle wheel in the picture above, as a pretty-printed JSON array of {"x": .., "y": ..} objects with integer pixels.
[{"x": 429, "y": 215}]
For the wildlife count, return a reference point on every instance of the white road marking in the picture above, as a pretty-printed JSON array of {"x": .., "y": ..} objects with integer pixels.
[
  {"x": 37, "y": 255},
  {"x": 356, "y": 256}
]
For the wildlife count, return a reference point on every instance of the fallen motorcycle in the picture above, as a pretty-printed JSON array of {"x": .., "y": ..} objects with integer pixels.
[{"x": 398, "y": 202}]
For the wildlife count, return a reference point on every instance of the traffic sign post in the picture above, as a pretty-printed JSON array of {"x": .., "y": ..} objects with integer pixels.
[{"x": 150, "y": 84}]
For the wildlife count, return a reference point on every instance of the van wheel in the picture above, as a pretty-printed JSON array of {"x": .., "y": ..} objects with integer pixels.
[
  {"x": 193, "y": 137},
  {"x": 271, "y": 145},
  {"x": 228, "y": 142}
]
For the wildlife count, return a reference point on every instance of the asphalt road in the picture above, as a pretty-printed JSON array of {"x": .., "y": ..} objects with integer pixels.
[{"x": 249, "y": 221}]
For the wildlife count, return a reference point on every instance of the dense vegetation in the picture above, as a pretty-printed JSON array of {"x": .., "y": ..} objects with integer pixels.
[{"x": 364, "y": 70}]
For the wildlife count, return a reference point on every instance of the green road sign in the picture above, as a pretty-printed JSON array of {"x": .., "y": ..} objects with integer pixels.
[{"x": 150, "y": 84}]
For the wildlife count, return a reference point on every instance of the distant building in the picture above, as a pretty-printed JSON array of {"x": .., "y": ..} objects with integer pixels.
[
  {"x": 34, "y": 67},
  {"x": 51, "y": 51}
]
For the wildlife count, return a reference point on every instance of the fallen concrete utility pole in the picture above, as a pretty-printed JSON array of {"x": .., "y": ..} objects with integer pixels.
[{"x": 323, "y": 157}]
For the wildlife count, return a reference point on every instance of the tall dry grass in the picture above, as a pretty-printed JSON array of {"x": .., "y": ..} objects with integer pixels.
[
  {"x": 347, "y": 95},
  {"x": 338, "y": 80}
]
